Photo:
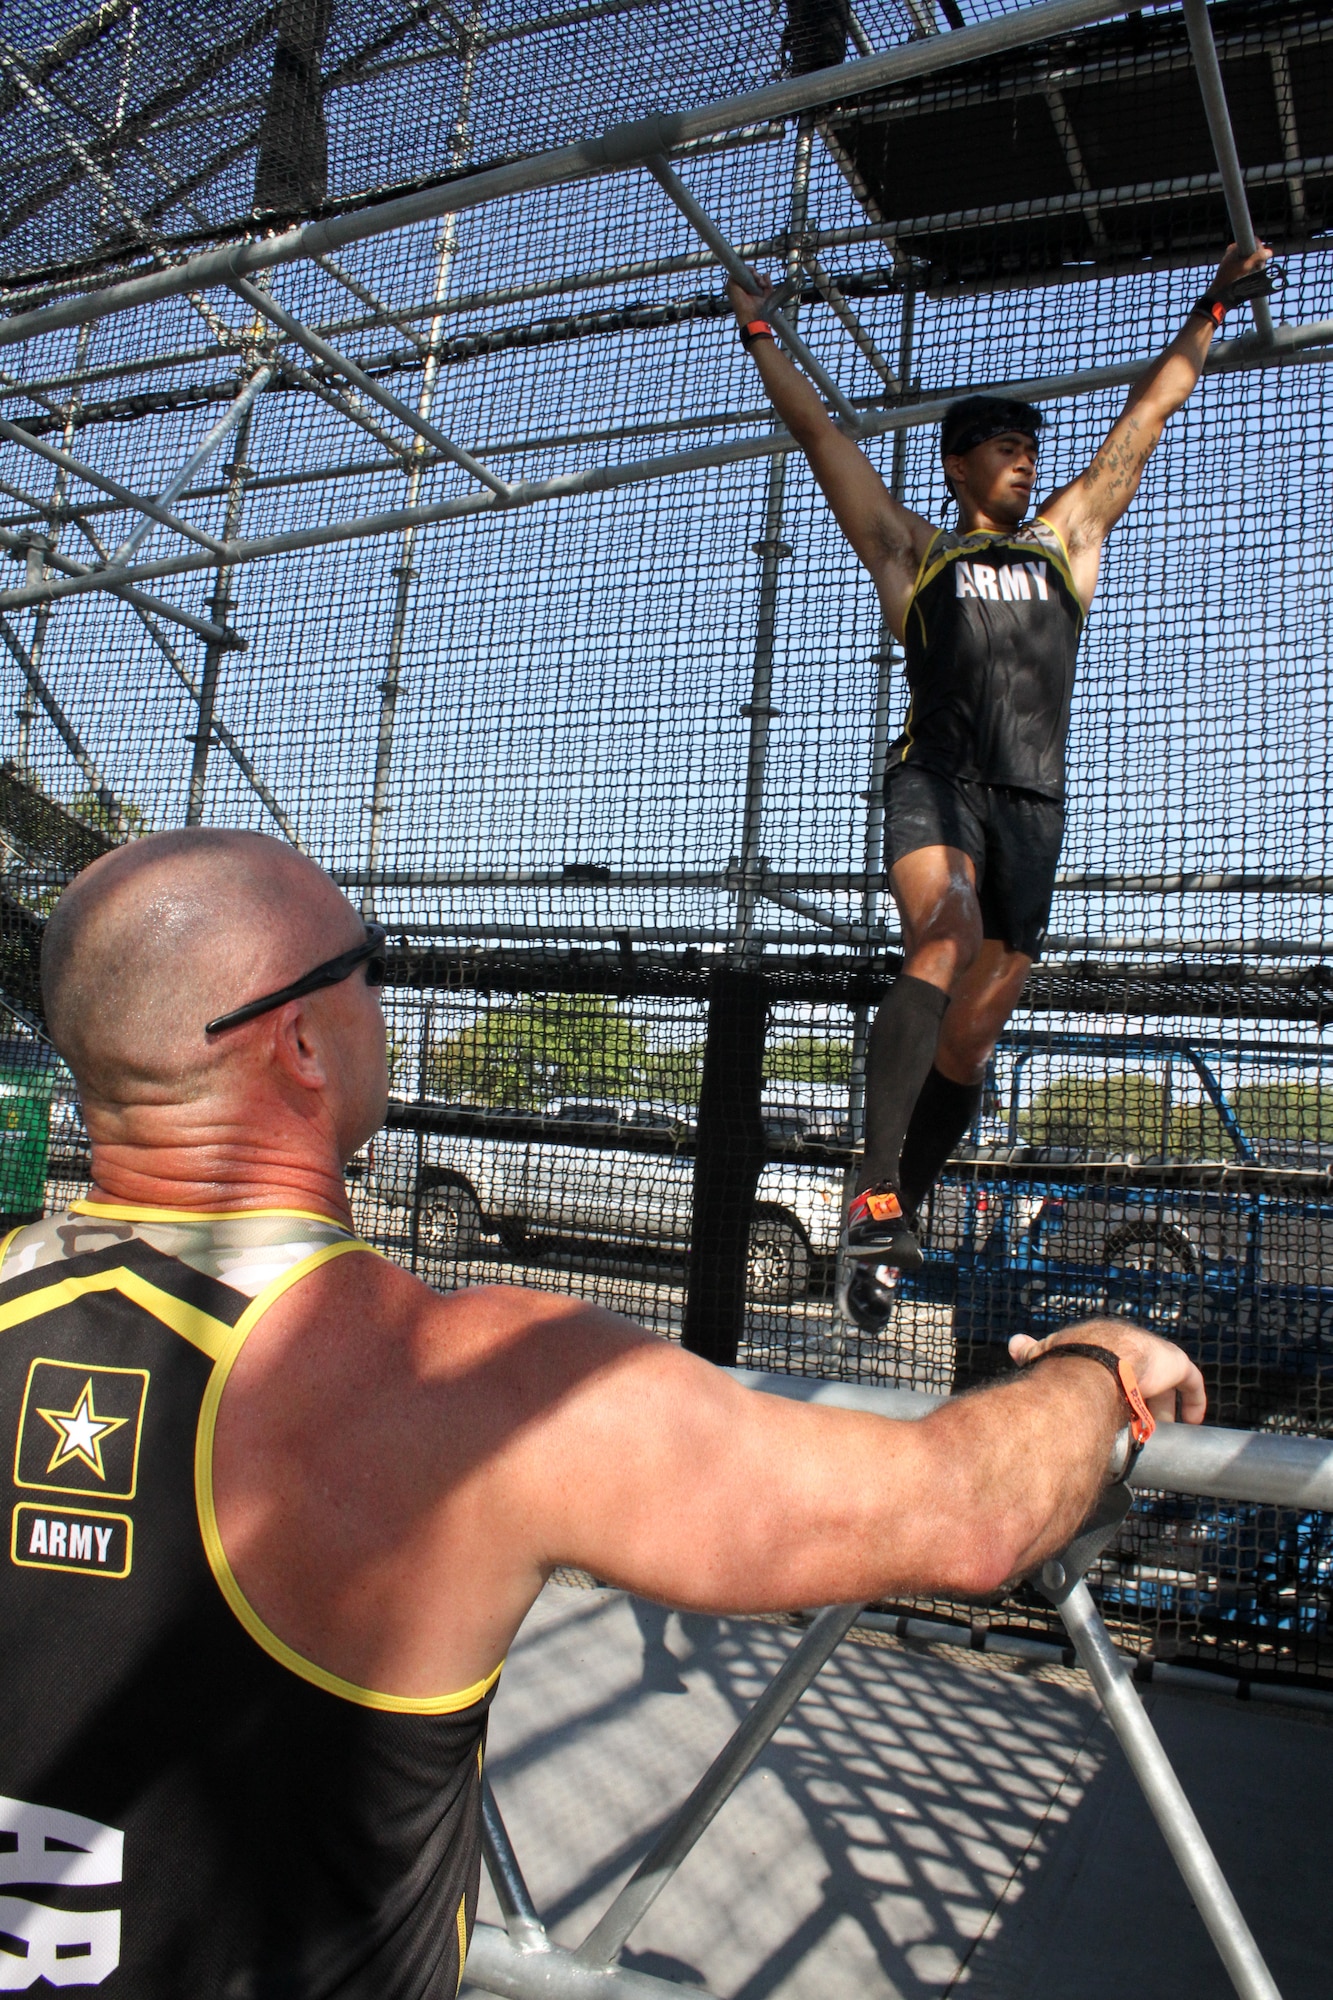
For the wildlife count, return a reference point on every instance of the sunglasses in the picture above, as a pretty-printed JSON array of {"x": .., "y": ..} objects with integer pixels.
[{"x": 370, "y": 953}]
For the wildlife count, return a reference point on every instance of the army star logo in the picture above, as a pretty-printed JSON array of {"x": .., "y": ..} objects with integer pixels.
[{"x": 80, "y": 1432}]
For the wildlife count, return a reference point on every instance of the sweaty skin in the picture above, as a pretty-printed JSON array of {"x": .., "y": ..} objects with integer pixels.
[
  {"x": 397, "y": 1471},
  {"x": 935, "y": 887}
]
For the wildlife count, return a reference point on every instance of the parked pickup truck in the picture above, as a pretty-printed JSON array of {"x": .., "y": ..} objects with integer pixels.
[{"x": 459, "y": 1188}]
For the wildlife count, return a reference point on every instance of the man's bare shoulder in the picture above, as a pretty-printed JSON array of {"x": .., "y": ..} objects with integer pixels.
[{"x": 415, "y": 1335}]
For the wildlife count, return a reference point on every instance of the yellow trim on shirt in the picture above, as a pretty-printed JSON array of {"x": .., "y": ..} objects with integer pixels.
[
  {"x": 201, "y": 1329},
  {"x": 115, "y": 1211},
  {"x": 462, "y": 1940},
  {"x": 9, "y": 1238},
  {"x": 237, "y": 1602}
]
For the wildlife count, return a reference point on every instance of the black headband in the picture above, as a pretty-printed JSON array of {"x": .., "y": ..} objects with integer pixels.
[{"x": 977, "y": 418}]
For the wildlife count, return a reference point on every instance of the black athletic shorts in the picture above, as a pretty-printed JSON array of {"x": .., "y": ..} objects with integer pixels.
[{"x": 1011, "y": 837}]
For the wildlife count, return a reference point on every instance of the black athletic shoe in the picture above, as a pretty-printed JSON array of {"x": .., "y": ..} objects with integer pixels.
[
  {"x": 867, "y": 1294},
  {"x": 878, "y": 1229}
]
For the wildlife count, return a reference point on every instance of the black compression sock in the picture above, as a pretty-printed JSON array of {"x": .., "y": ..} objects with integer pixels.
[
  {"x": 941, "y": 1115},
  {"x": 899, "y": 1055}
]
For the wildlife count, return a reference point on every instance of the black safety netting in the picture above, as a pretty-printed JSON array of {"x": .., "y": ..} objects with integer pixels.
[{"x": 606, "y": 757}]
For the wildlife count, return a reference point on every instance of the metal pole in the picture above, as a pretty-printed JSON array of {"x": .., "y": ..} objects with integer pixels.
[
  {"x": 1204, "y": 49},
  {"x": 63, "y": 727},
  {"x": 1205, "y": 1460},
  {"x": 1166, "y": 1797},
  {"x": 1228, "y": 357},
  {"x": 86, "y": 578},
  {"x": 886, "y": 661},
  {"x": 497, "y": 1965},
  {"x": 199, "y": 457},
  {"x": 332, "y": 357},
  {"x": 139, "y": 502},
  {"x": 736, "y": 267},
  {"x": 220, "y": 612},
  {"x": 605, "y": 1942},
  {"x": 405, "y": 571},
  {"x": 622, "y": 146},
  {"x": 522, "y": 1922},
  {"x": 771, "y": 550}
]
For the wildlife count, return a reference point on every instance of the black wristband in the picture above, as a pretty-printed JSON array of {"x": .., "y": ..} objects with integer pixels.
[{"x": 1140, "y": 1426}]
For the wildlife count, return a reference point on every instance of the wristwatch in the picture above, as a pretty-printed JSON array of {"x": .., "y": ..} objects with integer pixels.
[{"x": 1133, "y": 1435}]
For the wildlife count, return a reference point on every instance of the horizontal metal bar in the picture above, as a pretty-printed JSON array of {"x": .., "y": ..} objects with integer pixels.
[
  {"x": 333, "y": 358},
  {"x": 138, "y": 501},
  {"x": 620, "y": 147},
  {"x": 142, "y": 600},
  {"x": 1204, "y": 1460},
  {"x": 497, "y": 1965},
  {"x": 1230, "y": 356}
]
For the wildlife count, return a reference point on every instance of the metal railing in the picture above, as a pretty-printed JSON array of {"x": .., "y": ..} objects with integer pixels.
[{"x": 523, "y": 1962}]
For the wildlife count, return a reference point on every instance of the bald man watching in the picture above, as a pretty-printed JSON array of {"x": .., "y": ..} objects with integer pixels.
[{"x": 279, "y": 1508}]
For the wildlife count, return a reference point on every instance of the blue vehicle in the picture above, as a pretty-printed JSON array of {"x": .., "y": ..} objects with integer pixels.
[{"x": 1232, "y": 1255}]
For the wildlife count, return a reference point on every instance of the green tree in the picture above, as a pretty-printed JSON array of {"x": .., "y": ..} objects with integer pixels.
[
  {"x": 525, "y": 1052},
  {"x": 1120, "y": 1113},
  {"x": 808, "y": 1059},
  {"x": 1277, "y": 1114}
]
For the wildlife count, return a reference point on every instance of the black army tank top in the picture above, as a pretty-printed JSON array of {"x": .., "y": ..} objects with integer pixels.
[
  {"x": 991, "y": 635},
  {"x": 187, "y": 1806}
]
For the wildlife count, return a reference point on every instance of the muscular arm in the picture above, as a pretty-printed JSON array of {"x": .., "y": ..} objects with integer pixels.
[
  {"x": 397, "y": 1473},
  {"x": 888, "y": 537},
  {"x": 707, "y": 1495},
  {"x": 1085, "y": 511}
]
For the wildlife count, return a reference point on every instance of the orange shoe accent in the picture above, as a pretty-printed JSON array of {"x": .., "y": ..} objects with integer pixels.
[{"x": 884, "y": 1207}]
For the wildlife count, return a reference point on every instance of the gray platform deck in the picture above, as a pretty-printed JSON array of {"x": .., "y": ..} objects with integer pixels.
[{"x": 929, "y": 1821}]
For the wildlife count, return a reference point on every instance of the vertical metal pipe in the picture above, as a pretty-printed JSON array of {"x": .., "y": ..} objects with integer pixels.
[
  {"x": 886, "y": 661},
  {"x": 1209, "y": 69},
  {"x": 405, "y": 569},
  {"x": 220, "y": 613},
  {"x": 27, "y": 709},
  {"x": 522, "y": 1922},
  {"x": 1166, "y": 1798},
  {"x": 771, "y": 550}
]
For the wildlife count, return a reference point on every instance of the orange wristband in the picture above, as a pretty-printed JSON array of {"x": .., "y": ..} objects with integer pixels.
[{"x": 758, "y": 329}]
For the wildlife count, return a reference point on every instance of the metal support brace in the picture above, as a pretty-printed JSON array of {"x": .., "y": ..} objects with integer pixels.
[
  {"x": 1289, "y": 348},
  {"x": 1204, "y": 50},
  {"x": 522, "y": 1961},
  {"x": 332, "y": 358},
  {"x": 1062, "y": 1582},
  {"x": 609, "y": 1936},
  {"x": 154, "y": 510},
  {"x": 199, "y": 457},
  {"x": 838, "y": 305},
  {"x": 84, "y": 577},
  {"x": 60, "y": 722},
  {"x": 735, "y": 266}
]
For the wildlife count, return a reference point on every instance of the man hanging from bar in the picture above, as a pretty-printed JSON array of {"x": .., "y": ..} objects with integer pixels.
[{"x": 989, "y": 615}]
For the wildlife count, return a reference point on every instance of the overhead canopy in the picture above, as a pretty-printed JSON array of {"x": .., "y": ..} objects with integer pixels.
[{"x": 1094, "y": 149}]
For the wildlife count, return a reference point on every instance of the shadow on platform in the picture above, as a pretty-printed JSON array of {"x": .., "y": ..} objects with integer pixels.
[{"x": 927, "y": 1822}]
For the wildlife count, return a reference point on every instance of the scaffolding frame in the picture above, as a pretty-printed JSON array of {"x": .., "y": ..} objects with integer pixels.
[{"x": 655, "y": 147}]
